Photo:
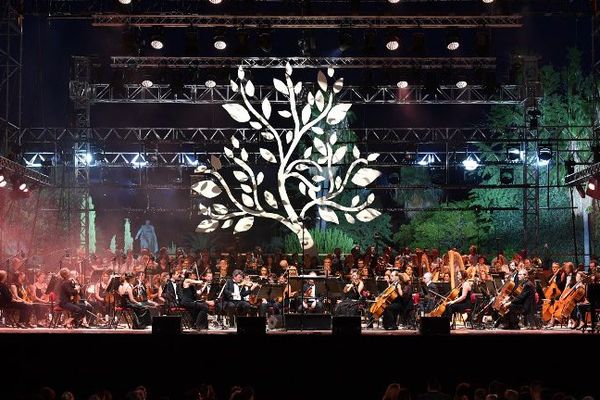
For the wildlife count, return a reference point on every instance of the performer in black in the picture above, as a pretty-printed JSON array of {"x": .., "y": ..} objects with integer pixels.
[
  {"x": 398, "y": 306},
  {"x": 429, "y": 294},
  {"x": 524, "y": 303},
  {"x": 7, "y": 301},
  {"x": 234, "y": 293},
  {"x": 69, "y": 298},
  {"x": 141, "y": 313},
  {"x": 352, "y": 294},
  {"x": 172, "y": 290},
  {"x": 198, "y": 308},
  {"x": 312, "y": 300}
]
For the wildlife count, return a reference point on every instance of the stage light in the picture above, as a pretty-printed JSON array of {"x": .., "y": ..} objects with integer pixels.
[
  {"x": 23, "y": 187},
  {"x": 394, "y": 1},
  {"x": 507, "y": 176},
  {"x": 192, "y": 161},
  {"x": 139, "y": 161},
  {"x": 215, "y": 1},
  {"x": 265, "y": 42},
  {"x": 544, "y": 155},
  {"x": 593, "y": 189},
  {"x": 345, "y": 41},
  {"x": 211, "y": 81},
  {"x": 487, "y": 1},
  {"x": 514, "y": 153},
  {"x": 157, "y": 41},
  {"x": 402, "y": 84},
  {"x": 126, "y": 2},
  {"x": 393, "y": 42},
  {"x": 3, "y": 181},
  {"x": 461, "y": 84},
  {"x": 452, "y": 40},
  {"x": 219, "y": 42},
  {"x": 592, "y": 185},
  {"x": 89, "y": 158},
  {"x": 3, "y": 184},
  {"x": 147, "y": 83},
  {"x": 471, "y": 163},
  {"x": 426, "y": 160}
]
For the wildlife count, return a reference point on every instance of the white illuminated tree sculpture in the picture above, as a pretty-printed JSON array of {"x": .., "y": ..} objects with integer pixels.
[{"x": 260, "y": 200}]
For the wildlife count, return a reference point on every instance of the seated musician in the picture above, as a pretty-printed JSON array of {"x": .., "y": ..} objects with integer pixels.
[
  {"x": 399, "y": 304},
  {"x": 21, "y": 292},
  {"x": 578, "y": 313},
  {"x": 197, "y": 307},
  {"x": 141, "y": 313},
  {"x": 171, "y": 291},
  {"x": 68, "y": 299},
  {"x": 234, "y": 293},
  {"x": 311, "y": 301},
  {"x": 483, "y": 270},
  {"x": 140, "y": 292},
  {"x": 352, "y": 294},
  {"x": 462, "y": 302},
  {"x": 222, "y": 270},
  {"x": 566, "y": 279},
  {"x": 99, "y": 303},
  {"x": 40, "y": 298},
  {"x": 429, "y": 294},
  {"x": 7, "y": 301},
  {"x": 263, "y": 275},
  {"x": 523, "y": 303}
]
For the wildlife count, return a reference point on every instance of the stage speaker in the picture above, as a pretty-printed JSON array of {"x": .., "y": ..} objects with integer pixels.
[
  {"x": 348, "y": 326},
  {"x": 315, "y": 322},
  {"x": 251, "y": 325},
  {"x": 166, "y": 325},
  {"x": 435, "y": 326},
  {"x": 275, "y": 321}
]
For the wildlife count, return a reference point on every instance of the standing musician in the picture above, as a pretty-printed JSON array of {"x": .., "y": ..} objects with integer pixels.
[
  {"x": 198, "y": 308},
  {"x": 234, "y": 293},
  {"x": 311, "y": 302},
  {"x": 396, "y": 307},
  {"x": 352, "y": 295},
  {"x": 462, "y": 302},
  {"x": 69, "y": 292},
  {"x": 523, "y": 303}
]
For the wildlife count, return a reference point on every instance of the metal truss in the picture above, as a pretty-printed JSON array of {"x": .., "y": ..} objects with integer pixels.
[
  {"x": 200, "y": 94},
  {"x": 582, "y": 175},
  {"x": 309, "y": 21},
  {"x": 23, "y": 172},
  {"x": 305, "y": 62}
]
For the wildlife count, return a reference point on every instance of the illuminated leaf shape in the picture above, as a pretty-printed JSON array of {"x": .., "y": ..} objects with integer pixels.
[
  {"x": 372, "y": 157},
  {"x": 228, "y": 152},
  {"x": 284, "y": 113},
  {"x": 202, "y": 210},
  {"x": 310, "y": 98},
  {"x": 301, "y": 167},
  {"x": 371, "y": 198},
  {"x": 338, "y": 113},
  {"x": 339, "y": 155},
  {"x": 298, "y": 88},
  {"x": 200, "y": 169},
  {"x": 317, "y": 129},
  {"x": 355, "y": 152},
  {"x": 240, "y": 73},
  {"x": 307, "y": 152},
  {"x": 240, "y": 176},
  {"x": 220, "y": 208},
  {"x": 288, "y": 68},
  {"x": 349, "y": 218},
  {"x": 355, "y": 201},
  {"x": 368, "y": 214},
  {"x": 365, "y": 176},
  {"x": 322, "y": 80},
  {"x": 289, "y": 136},
  {"x": 268, "y": 135},
  {"x": 207, "y": 226},
  {"x": 320, "y": 146},
  {"x": 227, "y": 224},
  {"x": 234, "y": 86},
  {"x": 266, "y": 108},
  {"x": 207, "y": 189},
  {"x": 250, "y": 88},
  {"x": 243, "y": 224},
  {"x": 328, "y": 215},
  {"x": 215, "y": 162},
  {"x": 320, "y": 100},
  {"x": 247, "y": 200},
  {"x": 330, "y": 72},
  {"x": 317, "y": 178},
  {"x": 237, "y": 112},
  {"x": 246, "y": 188},
  {"x": 312, "y": 194},
  {"x": 338, "y": 182},
  {"x": 302, "y": 188},
  {"x": 333, "y": 138},
  {"x": 322, "y": 160},
  {"x": 280, "y": 86},
  {"x": 259, "y": 178},
  {"x": 267, "y": 155},
  {"x": 235, "y": 142},
  {"x": 306, "y": 114},
  {"x": 244, "y": 155},
  {"x": 338, "y": 85},
  {"x": 270, "y": 199},
  {"x": 256, "y": 125}
]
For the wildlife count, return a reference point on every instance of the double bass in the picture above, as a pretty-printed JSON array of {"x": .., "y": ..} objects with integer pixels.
[{"x": 383, "y": 300}]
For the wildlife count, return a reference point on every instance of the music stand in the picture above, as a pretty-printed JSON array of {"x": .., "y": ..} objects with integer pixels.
[
  {"x": 276, "y": 291},
  {"x": 113, "y": 288},
  {"x": 372, "y": 286},
  {"x": 264, "y": 292},
  {"x": 334, "y": 287}
]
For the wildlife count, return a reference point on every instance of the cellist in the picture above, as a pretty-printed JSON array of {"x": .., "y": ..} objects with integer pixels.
[
  {"x": 523, "y": 303},
  {"x": 390, "y": 314}
]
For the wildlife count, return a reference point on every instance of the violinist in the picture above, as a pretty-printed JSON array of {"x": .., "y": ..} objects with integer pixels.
[
  {"x": 234, "y": 293},
  {"x": 312, "y": 301},
  {"x": 395, "y": 308},
  {"x": 171, "y": 291},
  {"x": 223, "y": 270},
  {"x": 8, "y": 301},
  {"x": 198, "y": 308},
  {"x": 523, "y": 303},
  {"x": 68, "y": 291},
  {"x": 352, "y": 294},
  {"x": 141, "y": 313},
  {"x": 462, "y": 302}
]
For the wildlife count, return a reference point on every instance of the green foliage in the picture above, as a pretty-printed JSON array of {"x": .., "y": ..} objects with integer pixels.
[
  {"x": 127, "y": 238},
  {"x": 325, "y": 241},
  {"x": 113, "y": 244}
]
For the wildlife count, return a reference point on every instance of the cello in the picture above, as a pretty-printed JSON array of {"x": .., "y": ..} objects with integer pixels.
[
  {"x": 383, "y": 300},
  {"x": 564, "y": 306},
  {"x": 440, "y": 309},
  {"x": 504, "y": 294},
  {"x": 550, "y": 294}
]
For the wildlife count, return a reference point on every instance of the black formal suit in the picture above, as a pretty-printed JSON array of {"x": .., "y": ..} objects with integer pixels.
[
  {"x": 172, "y": 294},
  {"x": 65, "y": 294},
  {"x": 524, "y": 304},
  {"x": 428, "y": 298},
  {"x": 235, "y": 307}
]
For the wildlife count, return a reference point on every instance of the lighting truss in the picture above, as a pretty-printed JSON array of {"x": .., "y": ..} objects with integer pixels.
[
  {"x": 23, "y": 172},
  {"x": 304, "y": 62},
  {"x": 582, "y": 175},
  {"x": 309, "y": 21},
  {"x": 200, "y": 94}
]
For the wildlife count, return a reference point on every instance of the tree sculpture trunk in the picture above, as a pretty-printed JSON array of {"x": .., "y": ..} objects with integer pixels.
[{"x": 305, "y": 239}]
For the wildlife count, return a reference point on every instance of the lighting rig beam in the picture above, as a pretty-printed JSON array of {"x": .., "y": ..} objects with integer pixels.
[{"x": 24, "y": 173}]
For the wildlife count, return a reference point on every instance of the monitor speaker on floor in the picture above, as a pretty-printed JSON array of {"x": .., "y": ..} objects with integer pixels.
[
  {"x": 348, "y": 326},
  {"x": 435, "y": 326},
  {"x": 251, "y": 325},
  {"x": 166, "y": 325}
]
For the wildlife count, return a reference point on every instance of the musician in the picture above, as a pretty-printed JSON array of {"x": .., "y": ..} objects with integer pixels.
[
  {"x": 223, "y": 270},
  {"x": 473, "y": 256},
  {"x": 100, "y": 293},
  {"x": 141, "y": 312},
  {"x": 574, "y": 318},
  {"x": 263, "y": 275},
  {"x": 328, "y": 266},
  {"x": 311, "y": 302},
  {"x": 462, "y": 302},
  {"x": 15, "y": 264},
  {"x": 234, "y": 293},
  {"x": 566, "y": 279},
  {"x": 210, "y": 290},
  {"x": 172, "y": 290},
  {"x": 524, "y": 303},
  {"x": 140, "y": 292},
  {"x": 352, "y": 294},
  {"x": 198, "y": 308},
  {"x": 398, "y": 305},
  {"x": 337, "y": 266},
  {"x": 39, "y": 287},
  {"x": 429, "y": 294},
  {"x": 68, "y": 292},
  {"x": 8, "y": 301},
  {"x": 482, "y": 269}
]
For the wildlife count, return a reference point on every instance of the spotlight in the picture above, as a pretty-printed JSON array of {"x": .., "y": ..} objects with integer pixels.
[
  {"x": 125, "y": 2},
  {"x": 3, "y": 181},
  {"x": 544, "y": 155},
  {"x": 3, "y": 184},
  {"x": 147, "y": 82},
  {"x": 514, "y": 153},
  {"x": 426, "y": 160},
  {"x": 402, "y": 84},
  {"x": 592, "y": 185},
  {"x": 215, "y": 1},
  {"x": 452, "y": 40},
  {"x": 23, "y": 187},
  {"x": 507, "y": 176},
  {"x": 345, "y": 41},
  {"x": 392, "y": 42},
  {"x": 219, "y": 42},
  {"x": 471, "y": 163},
  {"x": 157, "y": 41},
  {"x": 487, "y": 1},
  {"x": 265, "y": 42},
  {"x": 211, "y": 81},
  {"x": 461, "y": 84},
  {"x": 394, "y": 1}
]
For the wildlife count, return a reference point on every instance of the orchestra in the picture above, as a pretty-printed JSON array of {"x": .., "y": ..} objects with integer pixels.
[{"x": 396, "y": 287}]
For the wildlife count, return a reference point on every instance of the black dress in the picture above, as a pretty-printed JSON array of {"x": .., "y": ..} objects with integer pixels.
[{"x": 141, "y": 314}]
